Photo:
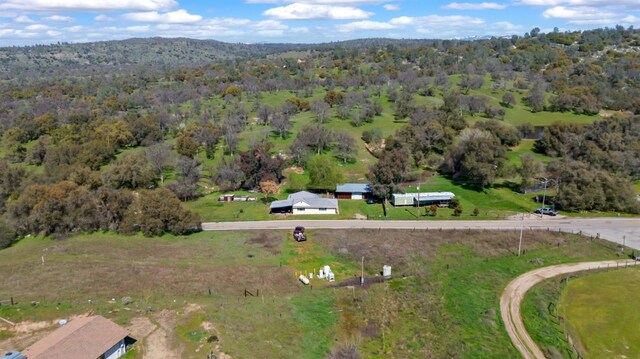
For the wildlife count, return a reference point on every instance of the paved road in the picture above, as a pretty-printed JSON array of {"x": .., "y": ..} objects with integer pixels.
[
  {"x": 512, "y": 297},
  {"x": 617, "y": 230}
]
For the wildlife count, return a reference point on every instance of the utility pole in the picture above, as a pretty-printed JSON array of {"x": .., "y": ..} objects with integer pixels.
[
  {"x": 362, "y": 272},
  {"x": 418, "y": 188},
  {"x": 521, "y": 230}
]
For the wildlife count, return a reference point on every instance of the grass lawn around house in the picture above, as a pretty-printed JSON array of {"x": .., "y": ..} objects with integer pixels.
[
  {"x": 525, "y": 146},
  {"x": 601, "y": 314}
]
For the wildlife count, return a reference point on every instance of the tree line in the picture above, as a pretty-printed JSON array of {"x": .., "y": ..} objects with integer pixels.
[{"x": 81, "y": 135}]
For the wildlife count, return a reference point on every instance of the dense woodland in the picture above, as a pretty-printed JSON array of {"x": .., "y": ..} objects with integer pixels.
[{"x": 114, "y": 135}]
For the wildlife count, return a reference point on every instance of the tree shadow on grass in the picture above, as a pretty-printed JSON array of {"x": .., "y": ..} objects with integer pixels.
[
  {"x": 268, "y": 199},
  {"x": 513, "y": 186},
  {"x": 411, "y": 213},
  {"x": 467, "y": 185}
]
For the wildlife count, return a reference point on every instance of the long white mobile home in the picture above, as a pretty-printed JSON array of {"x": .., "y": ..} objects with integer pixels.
[{"x": 422, "y": 199}]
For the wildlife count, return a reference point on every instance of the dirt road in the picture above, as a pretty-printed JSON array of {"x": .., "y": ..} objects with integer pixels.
[{"x": 514, "y": 293}]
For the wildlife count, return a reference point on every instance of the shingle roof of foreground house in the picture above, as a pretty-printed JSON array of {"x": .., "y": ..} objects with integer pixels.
[{"x": 81, "y": 338}]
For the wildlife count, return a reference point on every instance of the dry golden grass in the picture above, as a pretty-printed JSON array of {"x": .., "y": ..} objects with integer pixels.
[
  {"x": 109, "y": 266},
  {"x": 401, "y": 247}
]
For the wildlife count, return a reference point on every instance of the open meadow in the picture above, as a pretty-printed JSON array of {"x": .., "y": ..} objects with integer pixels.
[
  {"x": 238, "y": 294},
  {"x": 601, "y": 315}
]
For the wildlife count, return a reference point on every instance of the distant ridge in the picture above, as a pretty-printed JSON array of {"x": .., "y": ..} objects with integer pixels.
[{"x": 162, "y": 52}]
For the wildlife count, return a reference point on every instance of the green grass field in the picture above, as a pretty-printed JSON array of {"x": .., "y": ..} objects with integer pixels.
[
  {"x": 445, "y": 301},
  {"x": 163, "y": 275},
  {"x": 446, "y": 282},
  {"x": 602, "y": 315},
  {"x": 540, "y": 316},
  {"x": 496, "y": 202}
]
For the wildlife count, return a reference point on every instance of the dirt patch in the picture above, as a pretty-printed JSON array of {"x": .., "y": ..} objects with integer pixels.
[
  {"x": 208, "y": 326},
  {"x": 26, "y": 333},
  {"x": 157, "y": 346},
  {"x": 191, "y": 307},
  {"x": 28, "y": 326},
  {"x": 532, "y": 216},
  {"x": 295, "y": 169},
  {"x": 140, "y": 328},
  {"x": 159, "y": 343},
  {"x": 270, "y": 241}
]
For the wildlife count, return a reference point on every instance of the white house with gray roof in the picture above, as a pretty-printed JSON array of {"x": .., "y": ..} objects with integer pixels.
[{"x": 305, "y": 203}]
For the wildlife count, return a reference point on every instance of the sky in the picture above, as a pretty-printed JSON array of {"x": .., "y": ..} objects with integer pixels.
[{"x": 28, "y": 22}]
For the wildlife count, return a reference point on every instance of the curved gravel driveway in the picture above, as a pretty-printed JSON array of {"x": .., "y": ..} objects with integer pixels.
[{"x": 511, "y": 300}]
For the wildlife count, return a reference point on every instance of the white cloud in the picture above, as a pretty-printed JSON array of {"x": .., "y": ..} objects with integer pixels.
[
  {"x": 364, "y": 26},
  {"x": 269, "y": 25},
  {"x": 54, "y": 33},
  {"x": 87, "y": 5},
  {"x": 59, "y": 18},
  {"x": 298, "y": 11},
  {"x": 391, "y": 7},
  {"x": 507, "y": 26},
  {"x": 103, "y": 17},
  {"x": 402, "y": 20},
  {"x": 139, "y": 28},
  {"x": 172, "y": 17},
  {"x": 596, "y": 3},
  {"x": 438, "y": 26},
  {"x": 270, "y": 33},
  {"x": 584, "y": 15},
  {"x": 321, "y": 2},
  {"x": 474, "y": 6},
  {"x": 76, "y": 28},
  {"x": 437, "y": 21},
  {"x": 37, "y": 27},
  {"x": 23, "y": 18},
  {"x": 17, "y": 33}
]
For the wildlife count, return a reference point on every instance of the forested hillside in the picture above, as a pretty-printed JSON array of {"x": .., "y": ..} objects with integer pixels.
[
  {"x": 154, "y": 52},
  {"x": 113, "y": 135}
]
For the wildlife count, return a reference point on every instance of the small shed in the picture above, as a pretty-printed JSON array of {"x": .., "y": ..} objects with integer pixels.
[
  {"x": 402, "y": 199},
  {"x": 353, "y": 191}
]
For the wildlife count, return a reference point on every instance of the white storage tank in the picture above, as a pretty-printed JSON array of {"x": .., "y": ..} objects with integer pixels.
[
  {"x": 386, "y": 271},
  {"x": 304, "y": 279}
]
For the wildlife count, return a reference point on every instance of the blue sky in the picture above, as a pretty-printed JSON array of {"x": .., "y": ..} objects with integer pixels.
[{"x": 26, "y": 22}]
